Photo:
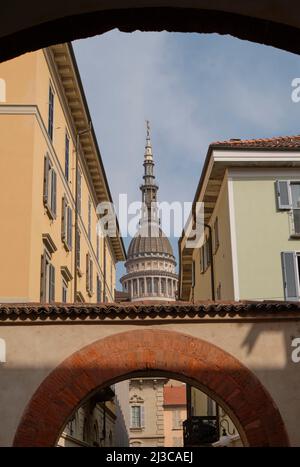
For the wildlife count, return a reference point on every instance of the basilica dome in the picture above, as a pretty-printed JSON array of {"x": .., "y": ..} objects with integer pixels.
[{"x": 142, "y": 245}]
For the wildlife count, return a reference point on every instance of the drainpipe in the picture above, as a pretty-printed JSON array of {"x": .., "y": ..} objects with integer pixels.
[{"x": 212, "y": 271}]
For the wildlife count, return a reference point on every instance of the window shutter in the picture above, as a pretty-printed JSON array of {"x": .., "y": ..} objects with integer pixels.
[
  {"x": 78, "y": 249},
  {"x": 91, "y": 276},
  {"x": 63, "y": 219},
  {"x": 142, "y": 416},
  {"x": 283, "y": 194},
  {"x": 290, "y": 277},
  {"x": 54, "y": 185},
  {"x": 131, "y": 417},
  {"x": 43, "y": 278},
  {"x": 46, "y": 179},
  {"x": 52, "y": 283},
  {"x": 87, "y": 272},
  {"x": 70, "y": 227}
]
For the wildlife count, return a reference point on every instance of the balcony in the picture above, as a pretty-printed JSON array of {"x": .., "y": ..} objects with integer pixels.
[{"x": 201, "y": 431}]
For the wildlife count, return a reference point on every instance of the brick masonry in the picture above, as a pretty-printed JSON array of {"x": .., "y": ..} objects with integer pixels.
[{"x": 119, "y": 356}]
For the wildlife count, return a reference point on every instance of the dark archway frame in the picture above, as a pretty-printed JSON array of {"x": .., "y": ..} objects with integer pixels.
[
  {"x": 150, "y": 351},
  {"x": 150, "y": 19}
]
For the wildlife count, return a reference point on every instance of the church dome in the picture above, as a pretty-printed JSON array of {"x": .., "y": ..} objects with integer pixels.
[{"x": 144, "y": 245}]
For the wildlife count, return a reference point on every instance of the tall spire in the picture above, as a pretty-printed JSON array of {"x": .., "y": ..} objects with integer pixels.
[
  {"x": 149, "y": 187},
  {"x": 148, "y": 147}
]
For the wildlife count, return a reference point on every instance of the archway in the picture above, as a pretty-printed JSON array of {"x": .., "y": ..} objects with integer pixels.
[
  {"x": 122, "y": 355},
  {"x": 37, "y": 26}
]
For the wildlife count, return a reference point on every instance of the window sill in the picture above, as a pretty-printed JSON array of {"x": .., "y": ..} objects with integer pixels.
[
  {"x": 49, "y": 212},
  {"x": 67, "y": 247},
  {"x": 295, "y": 236},
  {"x": 136, "y": 429}
]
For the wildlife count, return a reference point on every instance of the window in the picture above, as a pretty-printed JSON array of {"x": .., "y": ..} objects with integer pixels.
[
  {"x": 149, "y": 285},
  {"x": 50, "y": 188},
  {"x": 163, "y": 286},
  {"x": 67, "y": 156},
  {"x": 137, "y": 416},
  {"x": 291, "y": 273},
  {"x": 64, "y": 295},
  {"x": 288, "y": 198},
  {"x": 177, "y": 422},
  {"x": 79, "y": 181},
  {"x": 66, "y": 224},
  {"x": 89, "y": 219},
  {"x": 99, "y": 290},
  {"x": 47, "y": 278},
  {"x": 216, "y": 235},
  {"x": 50, "y": 112},
  {"x": 89, "y": 274}
]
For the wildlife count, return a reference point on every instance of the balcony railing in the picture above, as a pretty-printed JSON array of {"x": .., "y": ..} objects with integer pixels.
[{"x": 201, "y": 431}]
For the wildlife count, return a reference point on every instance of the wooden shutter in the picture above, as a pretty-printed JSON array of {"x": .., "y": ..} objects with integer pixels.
[
  {"x": 77, "y": 249},
  {"x": 91, "y": 276},
  {"x": 283, "y": 194},
  {"x": 69, "y": 227},
  {"x": 53, "y": 192},
  {"x": 290, "y": 276},
  {"x": 43, "y": 278},
  {"x": 63, "y": 219},
  {"x": 142, "y": 416},
  {"x": 88, "y": 272},
  {"x": 46, "y": 179},
  {"x": 51, "y": 283}
]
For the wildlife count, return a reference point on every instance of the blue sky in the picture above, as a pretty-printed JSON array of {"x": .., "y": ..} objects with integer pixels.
[{"x": 194, "y": 89}]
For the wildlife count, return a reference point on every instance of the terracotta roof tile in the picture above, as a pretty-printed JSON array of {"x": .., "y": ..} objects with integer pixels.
[
  {"x": 150, "y": 310},
  {"x": 280, "y": 142}
]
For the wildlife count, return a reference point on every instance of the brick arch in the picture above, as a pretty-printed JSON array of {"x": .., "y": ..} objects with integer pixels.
[
  {"x": 42, "y": 26},
  {"x": 117, "y": 357}
]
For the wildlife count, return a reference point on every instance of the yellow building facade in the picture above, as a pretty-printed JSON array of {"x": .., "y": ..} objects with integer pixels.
[
  {"x": 52, "y": 179},
  {"x": 251, "y": 241}
]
